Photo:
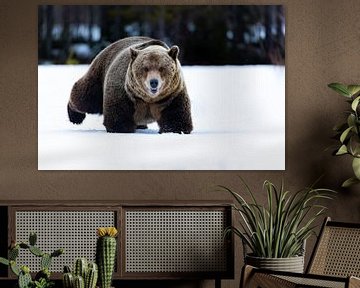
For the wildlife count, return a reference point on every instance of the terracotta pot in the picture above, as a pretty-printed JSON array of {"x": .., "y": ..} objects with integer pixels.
[{"x": 291, "y": 264}]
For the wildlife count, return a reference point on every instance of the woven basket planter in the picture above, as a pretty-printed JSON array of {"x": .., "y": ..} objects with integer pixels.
[{"x": 291, "y": 264}]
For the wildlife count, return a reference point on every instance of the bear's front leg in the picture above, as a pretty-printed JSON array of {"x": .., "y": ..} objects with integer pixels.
[
  {"x": 119, "y": 114},
  {"x": 176, "y": 118}
]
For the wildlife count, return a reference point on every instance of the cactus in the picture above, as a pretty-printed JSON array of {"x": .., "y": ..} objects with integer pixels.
[
  {"x": 45, "y": 261},
  {"x": 91, "y": 276},
  {"x": 57, "y": 252},
  {"x": 67, "y": 269},
  {"x": 32, "y": 239},
  {"x": 80, "y": 267},
  {"x": 36, "y": 251},
  {"x": 68, "y": 280},
  {"x": 105, "y": 254},
  {"x": 14, "y": 268},
  {"x": 24, "y": 278},
  {"x": 89, "y": 272},
  {"x": 13, "y": 253},
  {"x": 44, "y": 273},
  {"x": 79, "y": 282},
  {"x": 24, "y": 245}
]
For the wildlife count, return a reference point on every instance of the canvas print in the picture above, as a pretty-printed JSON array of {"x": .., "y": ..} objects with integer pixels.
[{"x": 161, "y": 87}]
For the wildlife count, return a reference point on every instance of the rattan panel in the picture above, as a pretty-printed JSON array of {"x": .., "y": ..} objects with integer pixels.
[
  {"x": 338, "y": 253},
  {"x": 75, "y": 231},
  {"x": 175, "y": 241}
]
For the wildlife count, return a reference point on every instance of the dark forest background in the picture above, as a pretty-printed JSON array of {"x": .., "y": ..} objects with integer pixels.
[{"x": 206, "y": 35}]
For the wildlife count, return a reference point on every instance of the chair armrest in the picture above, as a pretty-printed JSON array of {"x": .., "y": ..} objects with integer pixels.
[
  {"x": 354, "y": 282},
  {"x": 246, "y": 273}
]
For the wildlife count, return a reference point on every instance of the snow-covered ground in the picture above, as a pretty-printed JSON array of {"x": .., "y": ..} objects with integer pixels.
[{"x": 238, "y": 115}]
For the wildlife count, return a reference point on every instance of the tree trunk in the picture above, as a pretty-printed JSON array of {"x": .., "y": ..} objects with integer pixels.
[
  {"x": 66, "y": 31},
  {"x": 49, "y": 27}
]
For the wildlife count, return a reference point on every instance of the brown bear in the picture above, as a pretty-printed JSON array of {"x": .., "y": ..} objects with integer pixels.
[{"x": 133, "y": 82}]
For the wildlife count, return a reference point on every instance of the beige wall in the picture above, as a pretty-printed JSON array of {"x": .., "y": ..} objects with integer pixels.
[{"x": 322, "y": 46}]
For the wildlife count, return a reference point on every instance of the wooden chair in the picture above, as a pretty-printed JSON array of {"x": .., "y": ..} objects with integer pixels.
[{"x": 335, "y": 262}]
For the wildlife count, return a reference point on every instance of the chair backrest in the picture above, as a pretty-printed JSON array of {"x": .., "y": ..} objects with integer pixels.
[{"x": 337, "y": 251}]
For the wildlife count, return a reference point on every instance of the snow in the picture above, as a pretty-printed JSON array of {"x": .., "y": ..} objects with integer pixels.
[{"x": 238, "y": 115}]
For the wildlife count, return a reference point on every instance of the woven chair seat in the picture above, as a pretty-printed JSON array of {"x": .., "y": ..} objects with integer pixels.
[{"x": 335, "y": 262}]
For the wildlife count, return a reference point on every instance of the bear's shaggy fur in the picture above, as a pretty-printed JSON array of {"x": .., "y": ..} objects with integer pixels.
[{"x": 133, "y": 82}]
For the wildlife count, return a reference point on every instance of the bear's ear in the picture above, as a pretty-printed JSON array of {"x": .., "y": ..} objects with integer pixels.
[
  {"x": 174, "y": 52},
  {"x": 133, "y": 53}
]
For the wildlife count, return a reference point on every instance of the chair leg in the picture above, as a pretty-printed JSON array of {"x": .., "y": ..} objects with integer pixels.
[{"x": 217, "y": 283}]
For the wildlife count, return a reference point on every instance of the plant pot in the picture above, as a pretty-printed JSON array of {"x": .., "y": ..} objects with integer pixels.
[{"x": 291, "y": 264}]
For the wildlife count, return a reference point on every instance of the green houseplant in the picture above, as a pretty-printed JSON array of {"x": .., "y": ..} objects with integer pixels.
[
  {"x": 279, "y": 229},
  {"x": 348, "y": 133}
]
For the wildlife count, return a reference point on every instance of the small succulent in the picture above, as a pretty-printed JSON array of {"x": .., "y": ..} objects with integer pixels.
[{"x": 42, "y": 283}]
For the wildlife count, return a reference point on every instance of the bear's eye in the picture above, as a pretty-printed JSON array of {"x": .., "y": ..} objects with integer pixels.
[
  {"x": 161, "y": 69},
  {"x": 146, "y": 69}
]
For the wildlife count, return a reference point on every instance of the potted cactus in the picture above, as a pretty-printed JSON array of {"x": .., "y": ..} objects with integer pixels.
[
  {"x": 84, "y": 275},
  {"x": 106, "y": 254},
  {"x": 42, "y": 278}
]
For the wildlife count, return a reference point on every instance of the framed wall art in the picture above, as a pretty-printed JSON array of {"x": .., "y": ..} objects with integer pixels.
[{"x": 186, "y": 88}]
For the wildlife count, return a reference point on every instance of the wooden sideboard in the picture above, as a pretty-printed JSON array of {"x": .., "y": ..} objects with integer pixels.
[{"x": 157, "y": 240}]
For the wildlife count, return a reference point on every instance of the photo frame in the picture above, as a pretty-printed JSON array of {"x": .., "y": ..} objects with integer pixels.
[{"x": 236, "y": 87}]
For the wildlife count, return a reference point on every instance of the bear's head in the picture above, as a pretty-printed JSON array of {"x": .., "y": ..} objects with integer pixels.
[{"x": 154, "y": 73}]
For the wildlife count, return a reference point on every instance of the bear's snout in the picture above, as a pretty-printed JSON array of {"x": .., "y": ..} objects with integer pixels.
[{"x": 154, "y": 83}]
